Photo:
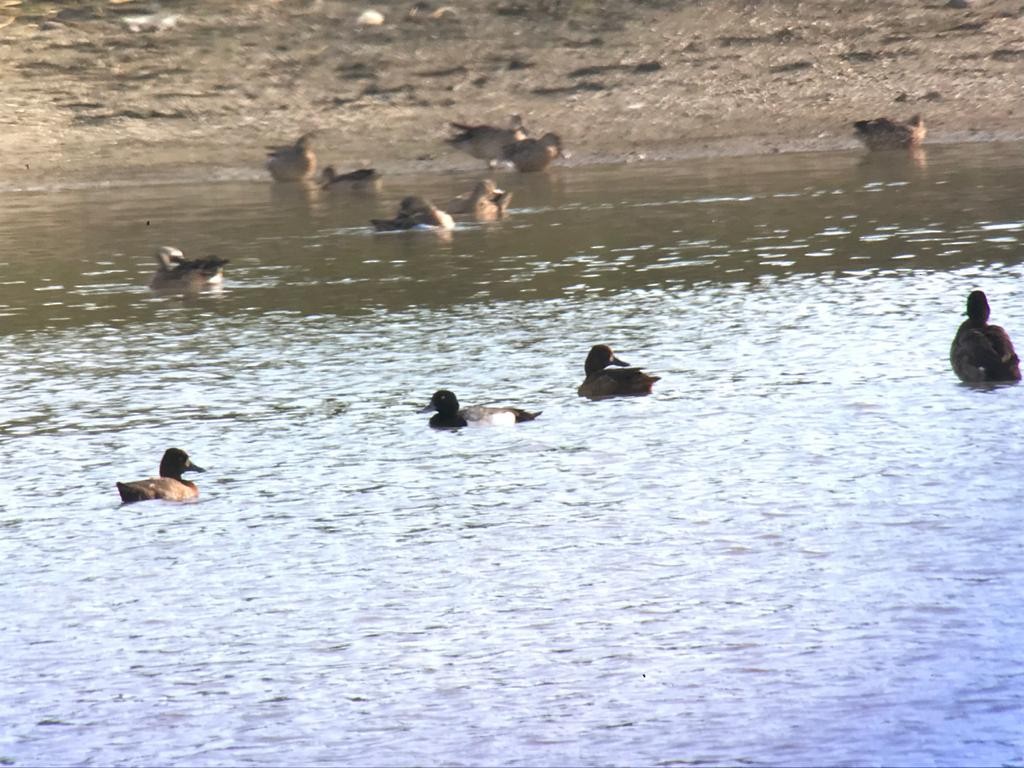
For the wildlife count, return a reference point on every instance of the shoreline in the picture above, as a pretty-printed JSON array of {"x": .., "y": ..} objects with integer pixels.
[
  {"x": 92, "y": 100},
  {"x": 170, "y": 173}
]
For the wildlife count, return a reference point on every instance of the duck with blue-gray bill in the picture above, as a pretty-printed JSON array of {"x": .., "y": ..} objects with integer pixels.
[
  {"x": 450, "y": 416},
  {"x": 981, "y": 352},
  {"x": 602, "y": 380}
]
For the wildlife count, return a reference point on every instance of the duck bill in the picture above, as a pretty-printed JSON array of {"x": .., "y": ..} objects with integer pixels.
[
  {"x": 193, "y": 468},
  {"x": 618, "y": 362},
  {"x": 427, "y": 408}
]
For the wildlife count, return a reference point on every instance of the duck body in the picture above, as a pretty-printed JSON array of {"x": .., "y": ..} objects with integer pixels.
[
  {"x": 883, "y": 133},
  {"x": 175, "y": 272},
  {"x": 361, "y": 180},
  {"x": 981, "y": 352},
  {"x": 602, "y": 381},
  {"x": 533, "y": 155},
  {"x": 486, "y": 142},
  {"x": 415, "y": 213},
  {"x": 485, "y": 202},
  {"x": 294, "y": 162},
  {"x": 450, "y": 416},
  {"x": 168, "y": 486}
]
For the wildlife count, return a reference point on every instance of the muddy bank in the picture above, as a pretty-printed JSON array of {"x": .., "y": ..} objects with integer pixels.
[{"x": 116, "y": 90}]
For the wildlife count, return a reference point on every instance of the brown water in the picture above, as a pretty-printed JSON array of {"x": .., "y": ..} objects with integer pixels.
[{"x": 804, "y": 548}]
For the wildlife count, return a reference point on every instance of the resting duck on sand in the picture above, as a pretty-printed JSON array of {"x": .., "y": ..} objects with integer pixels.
[
  {"x": 533, "y": 155},
  {"x": 486, "y": 142},
  {"x": 293, "y": 162},
  {"x": 883, "y": 133}
]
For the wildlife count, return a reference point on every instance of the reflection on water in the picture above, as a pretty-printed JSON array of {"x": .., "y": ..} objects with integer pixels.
[{"x": 800, "y": 549}]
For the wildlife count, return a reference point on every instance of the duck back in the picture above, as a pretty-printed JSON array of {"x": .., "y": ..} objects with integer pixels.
[
  {"x": 610, "y": 382},
  {"x": 984, "y": 353},
  {"x": 166, "y": 488}
]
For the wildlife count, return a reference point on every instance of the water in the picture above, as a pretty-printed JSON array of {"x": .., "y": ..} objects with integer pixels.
[{"x": 804, "y": 548}]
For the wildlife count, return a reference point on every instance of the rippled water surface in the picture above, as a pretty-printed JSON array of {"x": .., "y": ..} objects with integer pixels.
[{"x": 805, "y": 547}]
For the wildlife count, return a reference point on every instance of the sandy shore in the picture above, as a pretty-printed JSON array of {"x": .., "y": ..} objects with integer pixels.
[{"x": 111, "y": 90}]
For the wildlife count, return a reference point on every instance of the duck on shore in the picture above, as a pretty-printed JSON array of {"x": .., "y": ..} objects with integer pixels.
[
  {"x": 534, "y": 155},
  {"x": 883, "y": 133},
  {"x": 486, "y": 142},
  {"x": 293, "y": 162}
]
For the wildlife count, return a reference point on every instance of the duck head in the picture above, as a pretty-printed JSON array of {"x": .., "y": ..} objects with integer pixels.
[
  {"x": 600, "y": 357},
  {"x": 977, "y": 307},
  {"x": 176, "y": 461},
  {"x": 444, "y": 402}
]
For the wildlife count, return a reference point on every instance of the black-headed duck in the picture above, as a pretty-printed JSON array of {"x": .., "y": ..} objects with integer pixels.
[
  {"x": 293, "y": 162},
  {"x": 486, "y": 142},
  {"x": 602, "y": 381},
  {"x": 361, "y": 180},
  {"x": 176, "y": 273},
  {"x": 415, "y": 213},
  {"x": 533, "y": 155},
  {"x": 450, "y": 416},
  {"x": 981, "y": 352},
  {"x": 169, "y": 486},
  {"x": 485, "y": 202},
  {"x": 883, "y": 133}
]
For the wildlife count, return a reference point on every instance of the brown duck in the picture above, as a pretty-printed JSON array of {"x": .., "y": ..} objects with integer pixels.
[
  {"x": 981, "y": 352},
  {"x": 169, "y": 486},
  {"x": 486, "y": 142},
  {"x": 602, "y": 381},
  {"x": 361, "y": 180},
  {"x": 883, "y": 133},
  {"x": 485, "y": 202},
  {"x": 293, "y": 162},
  {"x": 533, "y": 155},
  {"x": 415, "y": 213}
]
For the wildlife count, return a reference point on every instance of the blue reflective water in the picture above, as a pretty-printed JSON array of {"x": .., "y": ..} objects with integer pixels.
[{"x": 803, "y": 548}]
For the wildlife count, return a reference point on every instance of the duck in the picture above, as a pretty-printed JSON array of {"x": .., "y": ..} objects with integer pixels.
[
  {"x": 485, "y": 202},
  {"x": 602, "y": 381},
  {"x": 294, "y": 162},
  {"x": 361, "y": 180},
  {"x": 415, "y": 213},
  {"x": 175, "y": 272},
  {"x": 450, "y": 416},
  {"x": 981, "y": 352},
  {"x": 883, "y": 133},
  {"x": 533, "y": 155},
  {"x": 486, "y": 142},
  {"x": 169, "y": 486}
]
